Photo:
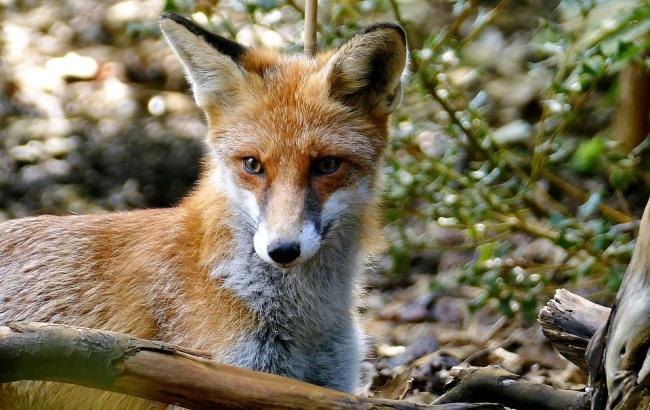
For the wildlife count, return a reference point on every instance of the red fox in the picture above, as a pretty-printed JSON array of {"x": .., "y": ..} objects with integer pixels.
[{"x": 259, "y": 264}]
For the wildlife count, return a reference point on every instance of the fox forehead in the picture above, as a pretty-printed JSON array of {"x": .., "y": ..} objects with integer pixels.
[{"x": 286, "y": 110}]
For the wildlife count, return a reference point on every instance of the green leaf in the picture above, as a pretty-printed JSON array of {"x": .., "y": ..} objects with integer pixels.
[
  {"x": 587, "y": 157},
  {"x": 621, "y": 178},
  {"x": 567, "y": 239},
  {"x": 615, "y": 277}
]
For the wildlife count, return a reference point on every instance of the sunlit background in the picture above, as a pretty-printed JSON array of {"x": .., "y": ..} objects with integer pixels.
[{"x": 518, "y": 162}]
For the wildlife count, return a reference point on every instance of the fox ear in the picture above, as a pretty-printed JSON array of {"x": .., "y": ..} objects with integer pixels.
[
  {"x": 210, "y": 61},
  {"x": 366, "y": 71}
]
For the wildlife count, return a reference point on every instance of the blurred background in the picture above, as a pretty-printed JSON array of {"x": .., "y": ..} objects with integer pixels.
[{"x": 518, "y": 163}]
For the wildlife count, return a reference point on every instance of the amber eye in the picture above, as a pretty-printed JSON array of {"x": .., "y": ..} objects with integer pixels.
[
  {"x": 327, "y": 165},
  {"x": 253, "y": 166}
]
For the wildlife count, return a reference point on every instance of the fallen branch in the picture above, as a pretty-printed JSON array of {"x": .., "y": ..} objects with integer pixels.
[
  {"x": 494, "y": 384},
  {"x": 569, "y": 322},
  {"x": 158, "y": 371}
]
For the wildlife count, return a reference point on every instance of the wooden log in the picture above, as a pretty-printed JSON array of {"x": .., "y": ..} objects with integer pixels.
[
  {"x": 569, "y": 321},
  {"x": 493, "y": 383},
  {"x": 162, "y": 372}
]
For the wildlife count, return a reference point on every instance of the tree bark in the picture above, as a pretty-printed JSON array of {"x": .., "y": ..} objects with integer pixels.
[
  {"x": 569, "y": 322},
  {"x": 162, "y": 372},
  {"x": 618, "y": 355}
]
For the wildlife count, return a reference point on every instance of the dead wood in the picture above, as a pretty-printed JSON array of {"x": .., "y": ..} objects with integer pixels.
[
  {"x": 618, "y": 355},
  {"x": 569, "y": 321},
  {"x": 494, "y": 384},
  {"x": 162, "y": 372}
]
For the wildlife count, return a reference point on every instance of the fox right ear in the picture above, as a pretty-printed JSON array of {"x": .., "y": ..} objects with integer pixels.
[
  {"x": 210, "y": 61},
  {"x": 365, "y": 72}
]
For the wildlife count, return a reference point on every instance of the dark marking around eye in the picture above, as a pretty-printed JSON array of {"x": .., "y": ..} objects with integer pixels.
[{"x": 327, "y": 165}]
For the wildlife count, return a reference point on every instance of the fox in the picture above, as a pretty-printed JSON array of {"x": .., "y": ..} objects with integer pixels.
[{"x": 260, "y": 265}]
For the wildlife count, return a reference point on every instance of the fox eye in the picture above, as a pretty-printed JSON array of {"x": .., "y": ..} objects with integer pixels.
[
  {"x": 253, "y": 166},
  {"x": 327, "y": 165}
]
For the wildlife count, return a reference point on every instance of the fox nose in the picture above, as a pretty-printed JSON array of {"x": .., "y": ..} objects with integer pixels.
[{"x": 284, "y": 252}]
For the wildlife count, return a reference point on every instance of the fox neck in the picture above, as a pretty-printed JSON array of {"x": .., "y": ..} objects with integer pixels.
[
  {"x": 320, "y": 290},
  {"x": 301, "y": 298}
]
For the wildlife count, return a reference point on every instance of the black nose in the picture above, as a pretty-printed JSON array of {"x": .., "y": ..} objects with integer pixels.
[{"x": 284, "y": 252}]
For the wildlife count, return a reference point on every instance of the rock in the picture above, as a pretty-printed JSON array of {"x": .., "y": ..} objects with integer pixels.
[
  {"x": 513, "y": 58},
  {"x": 513, "y": 91},
  {"x": 514, "y": 132},
  {"x": 486, "y": 50},
  {"x": 73, "y": 65},
  {"x": 450, "y": 310},
  {"x": 419, "y": 348},
  {"x": 512, "y": 362},
  {"x": 463, "y": 77},
  {"x": 434, "y": 142},
  {"x": 542, "y": 251},
  {"x": 129, "y": 11}
]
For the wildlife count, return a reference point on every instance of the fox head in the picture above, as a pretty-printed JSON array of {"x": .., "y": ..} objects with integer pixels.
[{"x": 295, "y": 142}]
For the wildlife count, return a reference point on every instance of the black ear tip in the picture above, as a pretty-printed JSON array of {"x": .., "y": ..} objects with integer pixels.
[
  {"x": 171, "y": 16},
  {"x": 384, "y": 26},
  {"x": 231, "y": 48}
]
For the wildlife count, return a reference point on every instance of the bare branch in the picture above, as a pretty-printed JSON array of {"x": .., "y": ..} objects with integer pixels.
[
  {"x": 495, "y": 384},
  {"x": 162, "y": 372}
]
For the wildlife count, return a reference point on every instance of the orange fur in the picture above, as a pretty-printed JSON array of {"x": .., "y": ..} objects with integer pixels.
[{"x": 151, "y": 273}]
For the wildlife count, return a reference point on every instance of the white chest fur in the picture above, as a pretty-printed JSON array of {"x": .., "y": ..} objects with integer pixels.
[{"x": 308, "y": 328}]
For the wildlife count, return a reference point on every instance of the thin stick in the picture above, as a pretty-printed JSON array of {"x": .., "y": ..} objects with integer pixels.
[{"x": 311, "y": 9}]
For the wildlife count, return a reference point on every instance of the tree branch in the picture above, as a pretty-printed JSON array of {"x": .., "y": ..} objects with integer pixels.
[
  {"x": 492, "y": 383},
  {"x": 162, "y": 372}
]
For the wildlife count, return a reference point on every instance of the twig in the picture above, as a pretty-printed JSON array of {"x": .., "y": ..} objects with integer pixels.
[
  {"x": 311, "y": 12},
  {"x": 296, "y": 7},
  {"x": 458, "y": 21},
  {"x": 487, "y": 20},
  {"x": 578, "y": 194},
  {"x": 537, "y": 159}
]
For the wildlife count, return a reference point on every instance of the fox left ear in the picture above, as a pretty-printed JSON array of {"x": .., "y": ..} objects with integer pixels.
[
  {"x": 210, "y": 61},
  {"x": 366, "y": 71}
]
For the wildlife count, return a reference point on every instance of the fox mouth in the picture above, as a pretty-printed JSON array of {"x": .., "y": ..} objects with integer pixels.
[{"x": 287, "y": 265}]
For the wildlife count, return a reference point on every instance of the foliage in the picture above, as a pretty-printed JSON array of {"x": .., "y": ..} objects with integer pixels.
[{"x": 491, "y": 191}]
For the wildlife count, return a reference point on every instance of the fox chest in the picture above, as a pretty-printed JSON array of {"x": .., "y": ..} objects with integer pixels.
[
  {"x": 328, "y": 359},
  {"x": 304, "y": 325},
  {"x": 284, "y": 341}
]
